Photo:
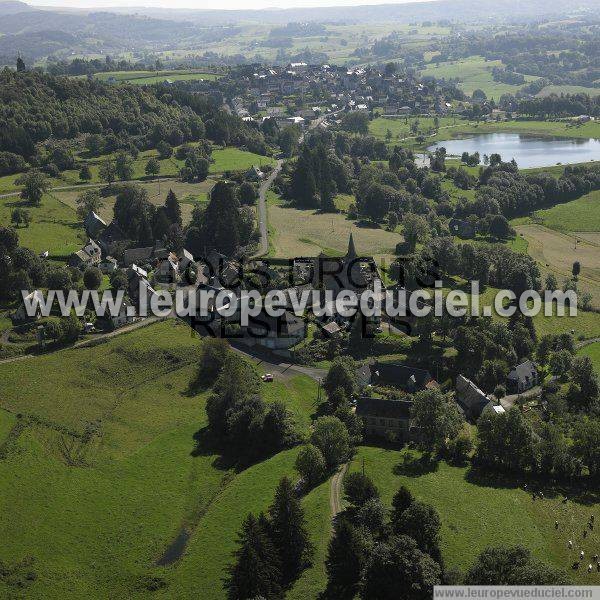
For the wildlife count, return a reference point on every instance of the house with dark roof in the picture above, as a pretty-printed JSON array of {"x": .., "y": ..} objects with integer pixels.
[
  {"x": 470, "y": 398},
  {"x": 93, "y": 224},
  {"x": 275, "y": 333},
  {"x": 522, "y": 378},
  {"x": 410, "y": 379},
  {"x": 111, "y": 238},
  {"x": 385, "y": 418},
  {"x": 462, "y": 229},
  {"x": 88, "y": 256}
]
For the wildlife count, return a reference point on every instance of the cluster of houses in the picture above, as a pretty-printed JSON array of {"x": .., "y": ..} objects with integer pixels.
[
  {"x": 391, "y": 418},
  {"x": 263, "y": 94}
]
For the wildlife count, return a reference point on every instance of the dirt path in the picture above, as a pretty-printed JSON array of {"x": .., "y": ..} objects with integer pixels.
[{"x": 335, "y": 494}]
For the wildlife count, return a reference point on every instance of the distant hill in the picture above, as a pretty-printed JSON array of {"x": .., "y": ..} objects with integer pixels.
[{"x": 13, "y": 6}]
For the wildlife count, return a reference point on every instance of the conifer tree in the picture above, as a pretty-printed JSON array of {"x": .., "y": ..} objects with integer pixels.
[
  {"x": 222, "y": 219},
  {"x": 172, "y": 208},
  {"x": 346, "y": 557},
  {"x": 288, "y": 531},
  {"x": 303, "y": 185},
  {"x": 256, "y": 570}
]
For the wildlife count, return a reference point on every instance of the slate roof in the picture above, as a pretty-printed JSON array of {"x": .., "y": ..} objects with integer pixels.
[
  {"x": 382, "y": 407},
  {"x": 524, "y": 372},
  {"x": 400, "y": 375}
]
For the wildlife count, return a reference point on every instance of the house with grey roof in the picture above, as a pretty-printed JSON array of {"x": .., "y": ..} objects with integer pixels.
[
  {"x": 522, "y": 378},
  {"x": 385, "y": 418},
  {"x": 470, "y": 398}
]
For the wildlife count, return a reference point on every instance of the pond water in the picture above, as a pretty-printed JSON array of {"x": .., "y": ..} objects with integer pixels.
[{"x": 526, "y": 150}]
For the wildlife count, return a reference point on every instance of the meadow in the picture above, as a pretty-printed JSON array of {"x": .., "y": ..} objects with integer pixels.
[
  {"x": 478, "y": 512},
  {"x": 150, "y": 77},
  {"x": 473, "y": 73},
  {"x": 297, "y": 232},
  {"x": 97, "y": 525},
  {"x": 580, "y": 215},
  {"x": 54, "y": 226}
]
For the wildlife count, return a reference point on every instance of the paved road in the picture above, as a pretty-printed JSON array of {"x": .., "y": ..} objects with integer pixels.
[
  {"x": 508, "y": 401},
  {"x": 263, "y": 247}
]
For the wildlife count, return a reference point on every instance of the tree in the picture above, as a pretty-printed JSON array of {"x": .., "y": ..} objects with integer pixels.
[
  {"x": 214, "y": 354},
  {"x": 288, "y": 140},
  {"x": 586, "y": 444},
  {"x": 436, "y": 418},
  {"x": 288, "y": 531},
  {"x": 278, "y": 428},
  {"x": 500, "y": 228},
  {"x": 164, "y": 149},
  {"x": 70, "y": 329},
  {"x": 347, "y": 555},
  {"x": 512, "y": 565},
  {"x": 85, "y": 174},
  {"x": 88, "y": 201},
  {"x": 576, "y": 269},
  {"x": 310, "y": 463},
  {"x": 341, "y": 375},
  {"x": 20, "y": 65},
  {"x": 152, "y": 167},
  {"x": 107, "y": 171},
  {"x": 584, "y": 388},
  {"x": 221, "y": 220},
  {"x": 123, "y": 166},
  {"x": 92, "y": 278},
  {"x": 172, "y": 208},
  {"x": 399, "y": 560},
  {"x": 415, "y": 229},
  {"x": 256, "y": 572},
  {"x": 332, "y": 438},
  {"x": 247, "y": 193},
  {"x": 35, "y": 185},
  {"x": 355, "y": 122},
  {"x": 359, "y": 488},
  {"x": 18, "y": 216},
  {"x": 400, "y": 502},
  {"x": 560, "y": 363},
  {"x": 422, "y": 522},
  {"x": 9, "y": 239}
]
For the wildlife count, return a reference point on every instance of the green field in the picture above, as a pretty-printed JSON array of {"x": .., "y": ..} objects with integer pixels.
[
  {"x": 473, "y": 73},
  {"x": 97, "y": 527},
  {"x": 150, "y": 77},
  {"x": 593, "y": 351},
  {"x": 54, "y": 226},
  {"x": 476, "y": 514},
  {"x": 582, "y": 214},
  {"x": 234, "y": 159}
]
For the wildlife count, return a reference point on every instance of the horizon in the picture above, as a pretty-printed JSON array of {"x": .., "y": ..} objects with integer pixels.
[{"x": 233, "y": 5}]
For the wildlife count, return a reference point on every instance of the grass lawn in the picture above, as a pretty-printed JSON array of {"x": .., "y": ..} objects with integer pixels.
[
  {"x": 307, "y": 233},
  {"x": 54, "y": 226},
  {"x": 189, "y": 194},
  {"x": 593, "y": 351},
  {"x": 234, "y": 159},
  {"x": 582, "y": 214},
  {"x": 150, "y": 77},
  {"x": 473, "y": 73},
  {"x": 97, "y": 529},
  {"x": 476, "y": 514},
  {"x": 400, "y": 127}
]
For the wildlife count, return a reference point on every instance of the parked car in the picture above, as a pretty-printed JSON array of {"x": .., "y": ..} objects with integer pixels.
[{"x": 267, "y": 377}]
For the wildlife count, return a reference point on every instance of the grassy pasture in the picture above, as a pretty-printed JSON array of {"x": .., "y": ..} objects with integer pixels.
[
  {"x": 476, "y": 514},
  {"x": 150, "y": 77},
  {"x": 568, "y": 89},
  {"x": 54, "y": 226},
  {"x": 98, "y": 529},
  {"x": 593, "y": 351},
  {"x": 582, "y": 214},
  {"x": 307, "y": 233},
  {"x": 234, "y": 159},
  {"x": 189, "y": 194},
  {"x": 473, "y": 73}
]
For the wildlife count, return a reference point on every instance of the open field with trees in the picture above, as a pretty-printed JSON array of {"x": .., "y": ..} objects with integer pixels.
[
  {"x": 114, "y": 451},
  {"x": 477, "y": 512}
]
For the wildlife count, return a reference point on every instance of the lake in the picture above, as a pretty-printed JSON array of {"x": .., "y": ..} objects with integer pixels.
[{"x": 528, "y": 151}]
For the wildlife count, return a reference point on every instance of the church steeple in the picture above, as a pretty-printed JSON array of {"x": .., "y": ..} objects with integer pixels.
[{"x": 351, "y": 249}]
